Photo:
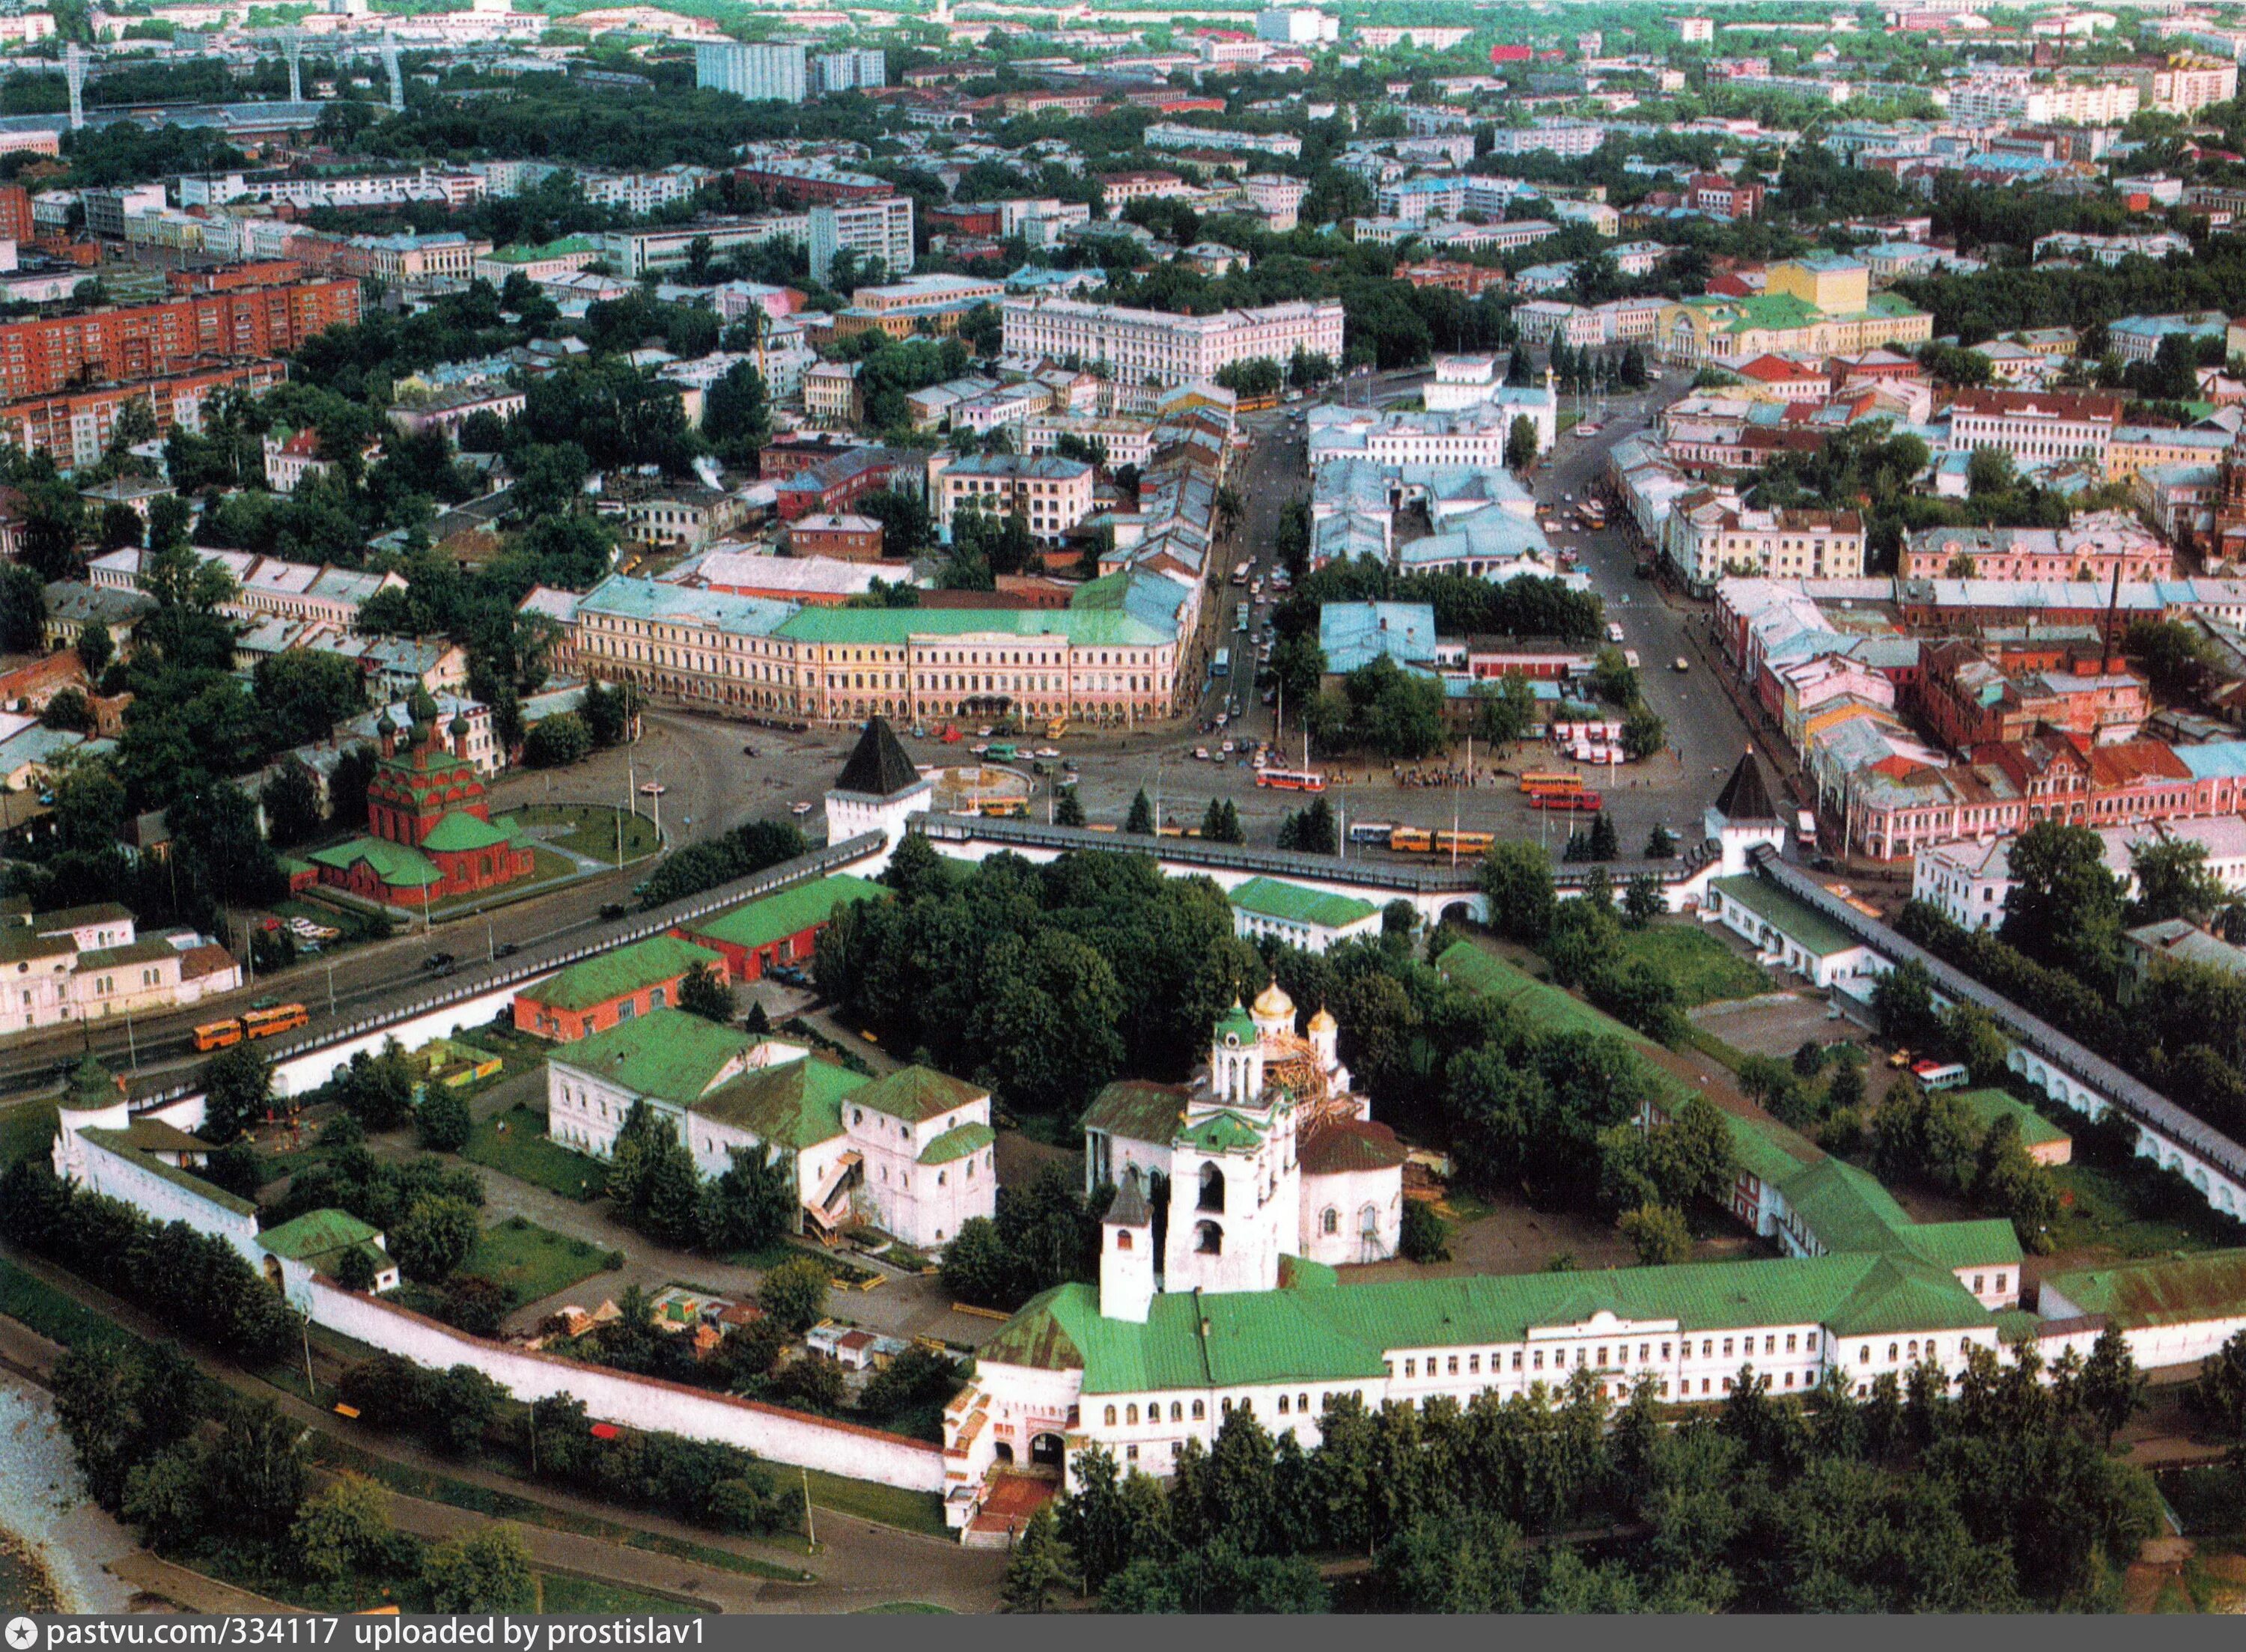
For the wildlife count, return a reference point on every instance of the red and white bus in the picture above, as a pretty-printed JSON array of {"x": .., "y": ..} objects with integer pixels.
[
  {"x": 1292, "y": 779},
  {"x": 1586, "y": 802}
]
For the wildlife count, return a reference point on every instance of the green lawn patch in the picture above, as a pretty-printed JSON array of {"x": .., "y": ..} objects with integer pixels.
[
  {"x": 31, "y": 1301},
  {"x": 586, "y": 829},
  {"x": 523, "y": 1151},
  {"x": 909, "y": 1510},
  {"x": 27, "y": 1130},
  {"x": 1703, "y": 969},
  {"x": 532, "y": 1262},
  {"x": 2108, "y": 1210},
  {"x": 557, "y": 1592}
]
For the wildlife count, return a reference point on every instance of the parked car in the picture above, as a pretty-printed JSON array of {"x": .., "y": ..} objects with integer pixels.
[
  {"x": 436, "y": 960},
  {"x": 614, "y": 910},
  {"x": 798, "y": 808},
  {"x": 508, "y": 949}
]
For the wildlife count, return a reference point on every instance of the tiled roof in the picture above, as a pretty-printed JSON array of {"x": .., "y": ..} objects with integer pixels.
[{"x": 1350, "y": 1144}]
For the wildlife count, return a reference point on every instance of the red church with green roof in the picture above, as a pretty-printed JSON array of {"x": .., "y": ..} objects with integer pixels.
[{"x": 431, "y": 834}]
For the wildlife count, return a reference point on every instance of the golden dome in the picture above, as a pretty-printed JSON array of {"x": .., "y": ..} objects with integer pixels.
[
  {"x": 1272, "y": 1002},
  {"x": 1322, "y": 1022}
]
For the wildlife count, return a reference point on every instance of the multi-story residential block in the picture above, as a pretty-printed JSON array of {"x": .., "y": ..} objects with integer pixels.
[
  {"x": 830, "y": 393},
  {"x": 141, "y": 342},
  {"x": 2034, "y": 424},
  {"x": 1050, "y": 494},
  {"x": 1414, "y": 199},
  {"x": 2187, "y": 82},
  {"x": 1567, "y": 139},
  {"x": 774, "y": 73},
  {"x": 2137, "y": 338},
  {"x": 264, "y": 587},
  {"x": 1716, "y": 541},
  {"x": 1725, "y": 198},
  {"x": 1968, "y": 882},
  {"x": 1149, "y": 346},
  {"x": 862, "y": 68},
  {"x": 1168, "y": 135},
  {"x": 878, "y": 228},
  {"x": 75, "y": 426},
  {"x": 632, "y": 253}
]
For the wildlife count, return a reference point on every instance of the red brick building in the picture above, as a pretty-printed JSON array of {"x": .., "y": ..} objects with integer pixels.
[
  {"x": 143, "y": 341},
  {"x": 1469, "y": 279},
  {"x": 430, "y": 833},
  {"x": 1725, "y": 198},
  {"x": 609, "y": 988},
  {"x": 75, "y": 426},
  {"x": 855, "y": 539},
  {"x": 831, "y": 486}
]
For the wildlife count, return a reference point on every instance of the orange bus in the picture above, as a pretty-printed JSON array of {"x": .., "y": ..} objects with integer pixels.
[
  {"x": 1412, "y": 839},
  {"x": 267, "y": 1024},
  {"x": 1464, "y": 842},
  {"x": 216, "y": 1034},
  {"x": 1555, "y": 781},
  {"x": 1292, "y": 779}
]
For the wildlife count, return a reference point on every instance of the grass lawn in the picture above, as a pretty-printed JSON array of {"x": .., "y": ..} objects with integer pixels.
[
  {"x": 27, "y": 1130},
  {"x": 2106, "y": 1212},
  {"x": 31, "y": 1301},
  {"x": 533, "y": 1261},
  {"x": 586, "y": 829},
  {"x": 523, "y": 1152},
  {"x": 1703, "y": 968},
  {"x": 559, "y": 1593},
  {"x": 912, "y": 1510}
]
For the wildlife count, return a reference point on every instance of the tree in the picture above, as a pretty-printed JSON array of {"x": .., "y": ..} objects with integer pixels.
[
  {"x": 1516, "y": 880},
  {"x": 442, "y": 1120},
  {"x": 2173, "y": 881},
  {"x": 2219, "y": 1398},
  {"x": 1661, "y": 844},
  {"x": 23, "y": 608},
  {"x": 291, "y": 803},
  {"x": 793, "y": 1292},
  {"x": 343, "y": 1529},
  {"x": 1039, "y": 1564},
  {"x": 1605, "y": 845},
  {"x": 1521, "y": 445},
  {"x": 1641, "y": 900},
  {"x": 1141, "y": 821},
  {"x": 1643, "y": 733},
  {"x": 487, "y": 1569},
  {"x": 237, "y": 1088},
  {"x": 1311, "y": 831},
  {"x": 751, "y": 1203},
  {"x": 706, "y": 991},
  {"x": 303, "y": 693},
  {"x": 1069, "y": 810},
  {"x": 557, "y": 741},
  {"x": 1903, "y": 1000},
  {"x": 1658, "y": 1234},
  {"x": 1425, "y": 1236},
  {"x": 168, "y": 1498},
  {"x": 1504, "y": 710},
  {"x": 2110, "y": 1390},
  {"x": 434, "y": 1238},
  {"x": 2065, "y": 908},
  {"x": 257, "y": 1471},
  {"x": 95, "y": 649}
]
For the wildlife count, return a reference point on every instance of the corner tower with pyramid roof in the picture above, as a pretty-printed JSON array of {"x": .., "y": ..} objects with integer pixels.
[
  {"x": 1743, "y": 818},
  {"x": 878, "y": 790}
]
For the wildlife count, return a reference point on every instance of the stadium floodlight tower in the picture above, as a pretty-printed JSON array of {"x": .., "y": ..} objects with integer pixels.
[
  {"x": 292, "y": 47},
  {"x": 74, "y": 67},
  {"x": 397, "y": 76}
]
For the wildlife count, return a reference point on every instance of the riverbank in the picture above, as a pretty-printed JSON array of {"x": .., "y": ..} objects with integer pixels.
[{"x": 54, "y": 1542}]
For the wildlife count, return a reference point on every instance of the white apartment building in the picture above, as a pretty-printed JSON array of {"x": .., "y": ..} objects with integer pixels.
[
  {"x": 881, "y": 228},
  {"x": 1277, "y": 197},
  {"x": 1050, "y": 494},
  {"x": 2035, "y": 424},
  {"x": 1776, "y": 544},
  {"x": 641, "y": 192},
  {"x": 1170, "y": 135},
  {"x": 1564, "y": 138},
  {"x": 753, "y": 73},
  {"x": 1297, "y": 26},
  {"x": 861, "y": 69},
  {"x": 1967, "y": 881},
  {"x": 1155, "y": 346},
  {"x": 2184, "y": 85},
  {"x": 2086, "y": 103}
]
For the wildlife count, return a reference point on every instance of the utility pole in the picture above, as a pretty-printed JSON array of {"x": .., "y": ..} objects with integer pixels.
[{"x": 810, "y": 1530}]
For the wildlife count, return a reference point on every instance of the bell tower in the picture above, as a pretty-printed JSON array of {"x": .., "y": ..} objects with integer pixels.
[{"x": 1127, "y": 1254}]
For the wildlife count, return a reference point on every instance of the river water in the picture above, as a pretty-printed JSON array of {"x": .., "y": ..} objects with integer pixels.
[{"x": 54, "y": 1542}]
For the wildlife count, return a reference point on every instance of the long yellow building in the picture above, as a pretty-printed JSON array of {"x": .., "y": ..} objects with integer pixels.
[{"x": 1821, "y": 305}]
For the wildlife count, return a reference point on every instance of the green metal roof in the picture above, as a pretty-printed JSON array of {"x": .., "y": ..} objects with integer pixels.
[
  {"x": 1340, "y": 1333},
  {"x": 789, "y": 912},
  {"x": 1220, "y": 1133},
  {"x": 120, "y": 1143},
  {"x": 627, "y": 969},
  {"x": 956, "y": 1143},
  {"x": 1137, "y": 1109},
  {"x": 667, "y": 1054},
  {"x": 794, "y": 1103},
  {"x": 1085, "y": 627},
  {"x": 916, "y": 1094},
  {"x": 1810, "y": 930},
  {"x": 393, "y": 863},
  {"x": 460, "y": 832},
  {"x": 1845, "y": 1207},
  {"x": 315, "y": 1234},
  {"x": 2158, "y": 1291},
  {"x": 1298, "y": 903},
  {"x": 1989, "y": 1106},
  {"x": 1237, "y": 1022}
]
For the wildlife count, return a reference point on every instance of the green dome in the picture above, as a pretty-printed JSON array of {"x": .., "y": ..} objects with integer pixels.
[{"x": 1235, "y": 1026}]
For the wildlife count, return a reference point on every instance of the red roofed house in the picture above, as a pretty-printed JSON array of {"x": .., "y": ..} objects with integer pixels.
[{"x": 1784, "y": 380}]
